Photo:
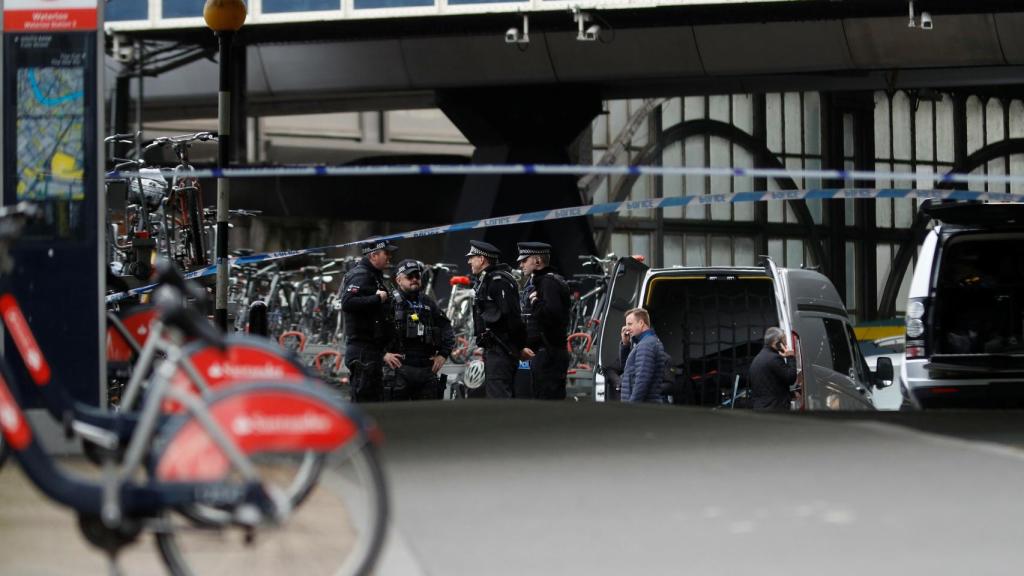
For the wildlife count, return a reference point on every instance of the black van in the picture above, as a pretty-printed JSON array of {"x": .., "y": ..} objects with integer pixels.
[{"x": 712, "y": 322}]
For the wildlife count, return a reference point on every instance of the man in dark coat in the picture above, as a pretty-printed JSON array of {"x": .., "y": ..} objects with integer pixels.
[
  {"x": 364, "y": 298},
  {"x": 545, "y": 303},
  {"x": 772, "y": 372},
  {"x": 497, "y": 319}
]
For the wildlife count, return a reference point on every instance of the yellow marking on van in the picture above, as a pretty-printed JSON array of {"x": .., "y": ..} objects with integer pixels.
[{"x": 650, "y": 285}]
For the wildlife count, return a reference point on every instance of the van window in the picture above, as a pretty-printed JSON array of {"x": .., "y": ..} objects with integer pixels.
[
  {"x": 839, "y": 346},
  {"x": 979, "y": 295}
]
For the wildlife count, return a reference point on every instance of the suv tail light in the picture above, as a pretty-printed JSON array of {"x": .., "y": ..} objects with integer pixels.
[{"x": 917, "y": 328}]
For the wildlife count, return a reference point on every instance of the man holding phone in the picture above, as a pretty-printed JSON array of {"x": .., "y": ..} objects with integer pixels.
[
  {"x": 772, "y": 372},
  {"x": 643, "y": 359}
]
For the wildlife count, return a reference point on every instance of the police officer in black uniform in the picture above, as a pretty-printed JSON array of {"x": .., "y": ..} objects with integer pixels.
[
  {"x": 496, "y": 318},
  {"x": 545, "y": 304},
  {"x": 423, "y": 339},
  {"x": 368, "y": 327}
]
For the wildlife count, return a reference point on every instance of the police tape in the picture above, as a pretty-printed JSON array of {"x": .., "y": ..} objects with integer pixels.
[
  {"x": 614, "y": 207},
  {"x": 570, "y": 169}
]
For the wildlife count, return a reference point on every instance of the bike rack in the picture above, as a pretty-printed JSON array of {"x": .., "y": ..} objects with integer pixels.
[{"x": 292, "y": 334}]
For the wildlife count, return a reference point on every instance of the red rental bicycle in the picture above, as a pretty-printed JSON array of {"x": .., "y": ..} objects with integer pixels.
[{"x": 224, "y": 451}]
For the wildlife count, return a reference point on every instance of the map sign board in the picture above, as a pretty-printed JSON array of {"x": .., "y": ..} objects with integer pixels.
[{"x": 51, "y": 155}]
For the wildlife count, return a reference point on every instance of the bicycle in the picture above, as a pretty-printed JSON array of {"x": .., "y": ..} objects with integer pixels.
[{"x": 220, "y": 456}]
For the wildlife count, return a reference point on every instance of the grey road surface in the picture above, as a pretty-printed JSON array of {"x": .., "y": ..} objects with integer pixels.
[{"x": 494, "y": 488}]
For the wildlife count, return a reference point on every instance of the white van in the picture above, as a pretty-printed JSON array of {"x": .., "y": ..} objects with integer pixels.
[{"x": 712, "y": 322}]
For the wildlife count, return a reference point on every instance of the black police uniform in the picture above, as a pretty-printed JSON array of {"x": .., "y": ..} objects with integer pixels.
[
  {"x": 547, "y": 323},
  {"x": 497, "y": 321},
  {"x": 368, "y": 326},
  {"x": 422, "y": 331}
]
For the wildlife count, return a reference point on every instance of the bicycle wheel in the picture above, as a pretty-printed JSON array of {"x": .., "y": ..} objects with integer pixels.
[
  {"x": 292, "y": 477},
  {"x": 339, "y": 530}
]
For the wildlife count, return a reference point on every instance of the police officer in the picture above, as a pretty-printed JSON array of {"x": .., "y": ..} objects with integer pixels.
[
  {"x": 545, "y": 304},
  {"x": 496, "y": 318},
  {"x": 423, "y": 338},
  {"x": 367, "y": 326}
]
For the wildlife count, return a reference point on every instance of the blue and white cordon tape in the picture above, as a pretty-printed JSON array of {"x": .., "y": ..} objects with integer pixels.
[
  {"x": 611, "y": 207},
  {"x": 596, "y": 209},
  {"x": 570, "y": 169}
]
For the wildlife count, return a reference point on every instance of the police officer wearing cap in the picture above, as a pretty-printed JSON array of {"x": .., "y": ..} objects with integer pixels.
[
  {"x": 545, "y": 304},
  {"x": 364, "y": 298},
  {"x": 423, "y": 338},
  {"x": 496, "y": 318}
]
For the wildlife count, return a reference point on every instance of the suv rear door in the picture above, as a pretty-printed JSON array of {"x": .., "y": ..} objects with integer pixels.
[{"x": 623, "y": 295}]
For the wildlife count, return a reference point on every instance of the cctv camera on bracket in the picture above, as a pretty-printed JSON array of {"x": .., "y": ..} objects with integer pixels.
[
  {"x": 519, "y": 36},
  {"x": 926, "y": 21},
  {"x": 585, "y": 33}
]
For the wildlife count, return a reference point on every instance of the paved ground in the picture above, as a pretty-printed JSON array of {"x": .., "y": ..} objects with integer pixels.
[{"x": 527, "y": 488}]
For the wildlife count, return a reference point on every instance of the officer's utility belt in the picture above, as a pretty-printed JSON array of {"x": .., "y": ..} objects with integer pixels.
[
  {"x": 491, "y": 340},
  {"x": 418, "y": 361}
]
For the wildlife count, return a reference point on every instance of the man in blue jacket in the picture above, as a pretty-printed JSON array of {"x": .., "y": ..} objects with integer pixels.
[{"x": 643, "y": 359}]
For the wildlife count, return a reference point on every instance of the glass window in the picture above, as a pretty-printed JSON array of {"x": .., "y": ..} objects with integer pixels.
[
  {"x": 672, "y": 186},
  {"x": 776, "y": 252},
  {"x": 183, "y": 8},
  {"x": 851, "y": 276},
  {"x": 812, "y": 123},
  {"x": 640, "y": 244},
  {"x": 882, "y": 148},
  {"x": 120, "y": 10},
  {"x": 693, "y": 108},
  {"x": 721, "y": 251},
  {"x": 839, "y": 346},
  {"x": 773, "y": 120},
  {"x": 794, "y": 253},
  {"x": 923, "y": 131},
  {"x": 743, "y": 252},
  {"x": 271, "y": 6},
  {"x": 901, "y": 126},
  {"x": 620, "y": 244},
  {"x": 694, "y": 151},
  {"x": 975, "y": 124},
  {"x": 673, "y": 251},
  {"x": 944, "y": 129},
  {"x": 792, "y": 124},
  {"x": 720, "y": 157},
  {"x": 672, "y": 112},
  {"x": 719, "y": 108},
  {"x": 695, "y": 250}
]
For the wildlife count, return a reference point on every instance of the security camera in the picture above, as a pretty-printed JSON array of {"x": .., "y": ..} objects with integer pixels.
[
  {"x": 592, "y": 33},
  {"x": 585, "y": 33},
  {"x": 516, "y": 36},
  {"x": 926, "y": 21},
  {"x": 123, "y": 50}
]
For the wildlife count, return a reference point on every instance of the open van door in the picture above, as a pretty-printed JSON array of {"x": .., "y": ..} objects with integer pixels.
[
  {"x": 623, "y": 295},
  {"x": 784, "y": 308},
  {"x": 781, "y": 299}
]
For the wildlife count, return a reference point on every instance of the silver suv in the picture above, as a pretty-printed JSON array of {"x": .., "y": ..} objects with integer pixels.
[{"x": 965, "y": 314}]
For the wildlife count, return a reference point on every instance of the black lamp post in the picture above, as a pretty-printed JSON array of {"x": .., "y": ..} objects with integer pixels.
[{"x": 224, "y": 17}]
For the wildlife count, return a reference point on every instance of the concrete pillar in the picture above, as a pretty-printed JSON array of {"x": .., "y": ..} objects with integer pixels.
[{"x": 516, "y": 126}]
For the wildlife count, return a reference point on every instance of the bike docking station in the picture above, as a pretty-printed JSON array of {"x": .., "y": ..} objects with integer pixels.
[{"x": 51, "y": 156}]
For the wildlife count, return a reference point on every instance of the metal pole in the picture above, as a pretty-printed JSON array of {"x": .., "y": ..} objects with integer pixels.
[{"x": 220, "y": 313}]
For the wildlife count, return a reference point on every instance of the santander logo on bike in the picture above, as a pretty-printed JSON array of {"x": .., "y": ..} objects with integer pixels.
[
  {"x": 265, "y": 371},
  {"x": 272, "y": 424}
]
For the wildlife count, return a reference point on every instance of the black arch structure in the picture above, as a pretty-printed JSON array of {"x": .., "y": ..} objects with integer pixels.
[{"x": 763, "y": 158}]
